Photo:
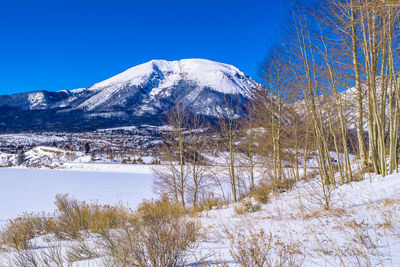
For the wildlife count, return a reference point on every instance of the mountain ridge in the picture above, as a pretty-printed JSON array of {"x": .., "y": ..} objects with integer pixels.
[{"x": 142, "y": 93}]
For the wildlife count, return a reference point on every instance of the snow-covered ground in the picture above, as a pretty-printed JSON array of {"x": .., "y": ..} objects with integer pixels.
[
  {"x": 29, "y": 139},
  {"x": 31, "y": 190},
  {"x": 109, "y": 167},
  {"x": 362, "y": 227},
  {"x": 43, "y": 157}
]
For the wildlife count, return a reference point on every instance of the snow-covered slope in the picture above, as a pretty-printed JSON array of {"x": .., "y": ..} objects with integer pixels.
[
  {"x": 43, "y": 157},
  {"x": 7, "y": 160},
  {"x": 144, "y": 92},
  {"x": 220, "y": 77},
  {"x": 150, "y": 87}
]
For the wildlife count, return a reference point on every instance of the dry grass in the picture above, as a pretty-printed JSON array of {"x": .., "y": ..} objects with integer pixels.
[
  {"x": 210, "y": 203},
  {"x": 256, "y": 248},
  {"x": 251, "y": 250},
  {"x": 360, "y": 239},
  {"x": 283, "y": 186},
  {"x": 320, "y": 213},
  {"x": 357, "y": 248},
  {"x": 246, "y": 207}
]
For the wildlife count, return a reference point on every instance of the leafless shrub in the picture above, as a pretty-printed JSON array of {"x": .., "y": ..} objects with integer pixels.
[
  {"x": 53, "y": 255},
  {"x": 73, "y": 216},
  {"x": 158, "y": 236},
  {"x": 25, "y": 258},
  {"x": 261, "y": 192},
  {"x": 321, "y": 193},
  {"x": 18, "y": 232}
]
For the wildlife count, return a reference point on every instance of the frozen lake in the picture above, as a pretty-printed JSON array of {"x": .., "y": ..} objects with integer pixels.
[{"x": 32, "y": 190}]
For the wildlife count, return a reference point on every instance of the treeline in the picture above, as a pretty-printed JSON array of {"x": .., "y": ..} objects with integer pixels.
[{"x": 330, "y": 87}]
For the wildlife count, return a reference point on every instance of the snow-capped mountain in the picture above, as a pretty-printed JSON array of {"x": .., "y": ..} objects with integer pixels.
[{"x": 142, "y": 93}]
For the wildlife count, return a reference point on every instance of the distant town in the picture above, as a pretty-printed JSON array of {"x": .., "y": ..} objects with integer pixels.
[{"x": 118, "y": 143}]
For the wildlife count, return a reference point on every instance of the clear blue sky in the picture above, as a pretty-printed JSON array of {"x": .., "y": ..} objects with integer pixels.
[{"x": 67, "y": 44}]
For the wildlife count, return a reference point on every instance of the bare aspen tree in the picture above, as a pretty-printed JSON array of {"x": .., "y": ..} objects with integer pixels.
[
  {"x": 263, "y": 103},
  {"x": 307, "y": 78},
  {"x": 249, "y": 143},
  {"x": 342, "y": 17},
  {"x": 173, "y": 178},
  {"x": 307, "y": 144},
  {"x": 281, "y": 114},
  {"x": 393, "y": 96},
  {"x": 377, "y": 26},
  {"x": 166, "y": 177},
  {"x": 296, "y": 134},
  {"x": 345, "y": 171},
  {"x": 228, "y": 127},
  {"x": 322, "y": 71},
  {"x": 197, "y": 144},
  {"x": 178, "y": 119},
  {"x": 356, "y": 66},
  {"x": 271, "y": 100}
]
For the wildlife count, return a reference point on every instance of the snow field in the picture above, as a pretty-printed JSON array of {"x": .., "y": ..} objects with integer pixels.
[{"x": 32, "y": 190}]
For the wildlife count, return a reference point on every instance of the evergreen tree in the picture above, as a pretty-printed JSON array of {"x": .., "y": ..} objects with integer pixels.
[
  {"x": 87, "y": 148},
  {"x": 21, "y": 157}
]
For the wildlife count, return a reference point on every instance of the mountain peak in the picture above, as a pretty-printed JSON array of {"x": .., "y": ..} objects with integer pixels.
[
  {"x": 203, "y": 71},
  {"x": 147, "y": 90},
  {"x": 162, "y": 76}
]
